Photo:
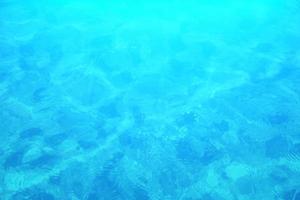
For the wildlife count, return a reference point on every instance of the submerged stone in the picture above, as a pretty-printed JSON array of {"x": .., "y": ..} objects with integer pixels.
[{"x": 276, "y": 147}]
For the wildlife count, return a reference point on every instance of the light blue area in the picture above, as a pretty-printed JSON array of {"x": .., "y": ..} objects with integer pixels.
[{"x": 149, "y": 100}]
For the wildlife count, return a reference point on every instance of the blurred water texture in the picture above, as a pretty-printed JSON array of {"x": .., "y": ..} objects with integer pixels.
[{"x": 149, "y": 100}]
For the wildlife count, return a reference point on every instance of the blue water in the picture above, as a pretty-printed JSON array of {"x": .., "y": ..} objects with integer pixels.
[{"x": 149, "y": 100}]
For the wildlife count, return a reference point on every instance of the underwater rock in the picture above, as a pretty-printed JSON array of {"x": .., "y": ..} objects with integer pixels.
[
  {"x": 33, "y": 194},
  {"x": 196, "y": 153},
  {"x": 206, "y": 196},
  {"x": 101, "y": 131},
  {"x": 222, "y": 126},
  {"x": 3, "y": 76},
  {"x": 14, "y": 159},
  {"x": 43, "y": 161},
  {"x": 42, "y": 196},
  {"x": 290, "y": 195},
  {"x": 93, "y": 195},
  {"x": 276, "y": 147},
  {"x": 187, "y": 119},
  {"x": 38, "y": 53},
  {"x": 122, "y": 79},
  {"x": 296, "y": 149},
  {"x": 280, "y": 174},
  {"x": 87, "y": 145},
  {"x": 128, "y": 139},
  {"x": 180, "y": 71},
  {"x": 8, "y": 51},
  {"x": 68, "y": 118},
  {"x": 140, "y": 194},
  {"x": 211, "y": 153},
  {"x": 31, "y": 132},
  {"x": 245, "y": 185},
  {"x": 105, "y": 186},
  {"x": 278, "y": 119},
  {"x": 188, "y": 153},
  {"x": 138, "y": 115},
  {"x": 109, "y": 110},
  {"x": 170, "y": 180},
  {"x": 56, "y": 139},
  {"x": 85, "y": 88},
  {"x": 151, "y": 87},
  {"x": 39, "y": 95},
  {"x": 297, "y": 196},
  {"x": 55, "y": 180}
]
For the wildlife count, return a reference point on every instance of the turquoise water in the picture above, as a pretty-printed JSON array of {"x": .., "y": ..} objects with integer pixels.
[{"x": 149, "y": 100}]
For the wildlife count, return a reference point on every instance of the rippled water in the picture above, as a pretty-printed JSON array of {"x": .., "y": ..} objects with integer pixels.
[{"x": 149, "y": 100}]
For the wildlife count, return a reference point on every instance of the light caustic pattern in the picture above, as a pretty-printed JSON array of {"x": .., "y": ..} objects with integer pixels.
[{"x": 149, "y": 100}]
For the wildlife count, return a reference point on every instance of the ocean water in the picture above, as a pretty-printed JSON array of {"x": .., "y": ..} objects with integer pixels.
[{"x": 149, "y": 100}]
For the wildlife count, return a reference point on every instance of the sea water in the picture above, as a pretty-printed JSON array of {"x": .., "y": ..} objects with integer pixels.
[{"x": 149, "y": 100}]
